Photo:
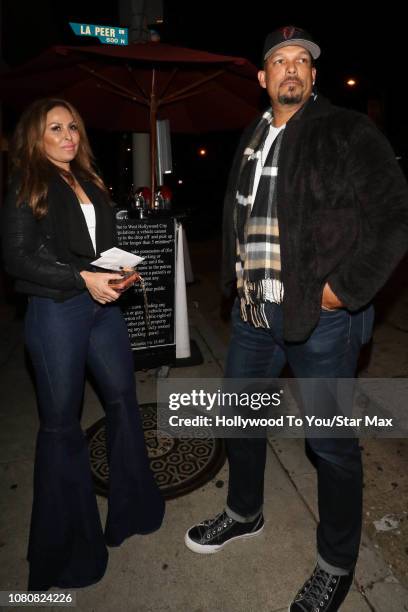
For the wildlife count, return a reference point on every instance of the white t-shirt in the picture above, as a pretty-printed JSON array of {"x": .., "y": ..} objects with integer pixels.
[
  {"x": 273, "y": 132},
  {"x": 89, "y": 214}
]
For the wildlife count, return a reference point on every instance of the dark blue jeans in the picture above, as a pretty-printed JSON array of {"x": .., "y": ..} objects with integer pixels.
[
  {"x": 330, "y": 352},
  {"x": 67, "y": 546}
]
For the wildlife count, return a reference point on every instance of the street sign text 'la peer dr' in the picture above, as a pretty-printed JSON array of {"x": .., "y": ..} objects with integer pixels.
[{"x": 108, "y": 35}]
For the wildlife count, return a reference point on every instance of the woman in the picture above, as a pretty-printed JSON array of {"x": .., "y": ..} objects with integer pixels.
[{"x": 57, "y": 220}]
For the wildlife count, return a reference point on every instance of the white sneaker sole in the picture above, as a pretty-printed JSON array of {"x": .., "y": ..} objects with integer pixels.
[{"x": 208, "y": 549}]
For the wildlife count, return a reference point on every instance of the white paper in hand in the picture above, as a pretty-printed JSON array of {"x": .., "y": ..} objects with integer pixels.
[{"x": 117, "y": 259}]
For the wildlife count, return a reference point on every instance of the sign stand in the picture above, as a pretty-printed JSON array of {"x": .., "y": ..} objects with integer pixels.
[{"x": 159, "y": 336}]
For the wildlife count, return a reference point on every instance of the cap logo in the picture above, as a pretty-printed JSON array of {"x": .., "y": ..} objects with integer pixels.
[
  {"x": 289, "y": 35},
  {"x": 288, "y": 32}
]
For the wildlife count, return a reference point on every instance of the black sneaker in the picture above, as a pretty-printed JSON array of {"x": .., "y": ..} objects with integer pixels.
[
  {"x": 212, "y": 535},
  {"x": 323, "y": 592}
]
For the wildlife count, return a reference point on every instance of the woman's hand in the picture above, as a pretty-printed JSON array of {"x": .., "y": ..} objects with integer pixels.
[
  {"x": 129, "y": 279},
  {"x": 98, "y": 286}
]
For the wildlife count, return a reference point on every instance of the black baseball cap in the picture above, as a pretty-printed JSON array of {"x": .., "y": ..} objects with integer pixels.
[{"x": 290, "y": 35}]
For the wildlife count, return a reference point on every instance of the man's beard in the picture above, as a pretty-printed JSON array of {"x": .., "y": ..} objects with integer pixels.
[{"x": 290, "y": 97}]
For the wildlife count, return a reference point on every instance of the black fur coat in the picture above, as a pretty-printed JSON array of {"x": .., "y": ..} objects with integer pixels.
[{"x": 342, "y": 212}]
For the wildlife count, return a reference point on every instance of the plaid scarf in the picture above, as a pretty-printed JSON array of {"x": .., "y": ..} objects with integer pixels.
[{"x": 258, "y": 265}]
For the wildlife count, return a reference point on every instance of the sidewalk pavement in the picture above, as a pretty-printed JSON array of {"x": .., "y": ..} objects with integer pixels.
[{"x": 157, "y": 573}]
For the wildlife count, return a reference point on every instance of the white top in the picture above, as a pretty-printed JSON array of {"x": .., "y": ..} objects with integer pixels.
[
  {"x": 273, "y": 132},
  {"x": 89, "y": 214}
]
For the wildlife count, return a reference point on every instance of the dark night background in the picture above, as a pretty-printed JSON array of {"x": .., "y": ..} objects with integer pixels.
[{"x": 370, "y": 48}]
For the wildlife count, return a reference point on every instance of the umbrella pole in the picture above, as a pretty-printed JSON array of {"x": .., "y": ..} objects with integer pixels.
[{"x": 153, "y": 136}]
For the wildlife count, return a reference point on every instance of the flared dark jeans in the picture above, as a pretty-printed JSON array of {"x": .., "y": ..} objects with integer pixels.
[
  {"x": 331, "y": 352},
  {"x": 67, "y": 544}
]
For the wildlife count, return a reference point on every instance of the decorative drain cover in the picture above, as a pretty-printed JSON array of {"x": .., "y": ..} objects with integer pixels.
[{"x": 179, "y": 465}]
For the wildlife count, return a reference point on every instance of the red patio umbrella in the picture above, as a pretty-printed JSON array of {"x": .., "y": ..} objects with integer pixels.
[{"x": 129, "y": 88}]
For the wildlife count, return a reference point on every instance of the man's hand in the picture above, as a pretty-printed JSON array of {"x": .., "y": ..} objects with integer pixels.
[
  {"x": 98, "y": 286},
  {"x": 330, "y": 301}
]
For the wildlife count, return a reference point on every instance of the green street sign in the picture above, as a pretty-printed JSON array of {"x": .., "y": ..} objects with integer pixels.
[{"x": 108, "y": 35}]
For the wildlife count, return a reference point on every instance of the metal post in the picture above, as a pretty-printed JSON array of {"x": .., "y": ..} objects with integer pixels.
[{"x": 137, "y": 14}]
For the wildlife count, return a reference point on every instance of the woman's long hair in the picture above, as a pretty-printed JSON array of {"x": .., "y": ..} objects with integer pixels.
[{"x": 29, "y": 160}]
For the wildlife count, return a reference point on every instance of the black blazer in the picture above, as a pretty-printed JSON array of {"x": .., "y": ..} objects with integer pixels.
[{"x": 46, "y": 255}]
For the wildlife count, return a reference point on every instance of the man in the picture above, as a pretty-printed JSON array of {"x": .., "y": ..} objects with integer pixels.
[{"x": 315, "y": 220}]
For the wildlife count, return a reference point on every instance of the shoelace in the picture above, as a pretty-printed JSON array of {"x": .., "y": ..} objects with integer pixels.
[
  {"x": 215, "y": 524},
  {"x": 321, "y": 584},
  {"x": 213, "y": 521}
]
